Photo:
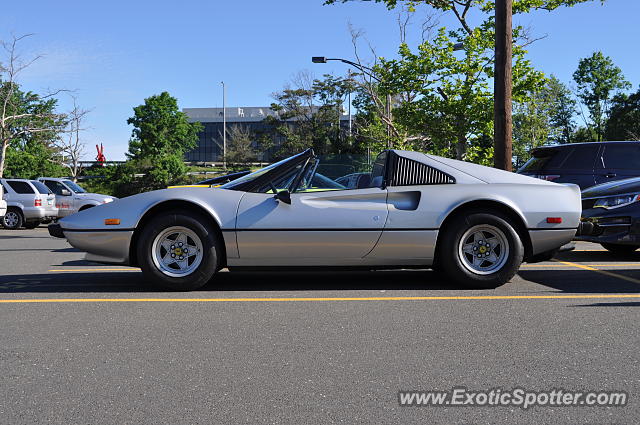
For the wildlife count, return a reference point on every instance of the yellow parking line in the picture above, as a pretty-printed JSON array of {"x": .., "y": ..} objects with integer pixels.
[
  {"x": 305, "y": 299},
  {"x": 604, "y": 272}
]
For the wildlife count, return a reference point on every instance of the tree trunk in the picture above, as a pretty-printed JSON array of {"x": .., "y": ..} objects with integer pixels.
[
  {"x": 461, "y": 147},
  {"x": 3, "y": 155}
]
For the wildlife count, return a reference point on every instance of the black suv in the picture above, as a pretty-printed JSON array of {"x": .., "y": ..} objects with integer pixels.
[{"x": 585, "y": 164}]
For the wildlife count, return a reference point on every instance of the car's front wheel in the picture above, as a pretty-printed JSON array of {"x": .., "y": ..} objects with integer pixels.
[
  {"x": 480, "y": 250},
  {"x": 12, "y": 219},
  {"x": 178, "y": 250},
  {"x": 619, "y": 249}
]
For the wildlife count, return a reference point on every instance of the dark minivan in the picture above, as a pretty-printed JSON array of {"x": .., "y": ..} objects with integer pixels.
[{"x": 585, "y": 164}]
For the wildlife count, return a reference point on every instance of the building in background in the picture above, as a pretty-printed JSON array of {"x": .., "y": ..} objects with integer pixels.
[{"x": 209, "y": 147}]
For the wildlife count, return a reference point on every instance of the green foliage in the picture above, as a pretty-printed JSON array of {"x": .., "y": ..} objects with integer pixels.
[
  {"x": 161, "y": 136},
  {"x": 30, "y": 137},
  {"x": 309, "y": 116},
  {"x": 240, "y": 150},
  {"x": 544, "y": 117},
  {"x": 519, "y": 6},
  {"x": 449, "y": 96},
  {"x": 624, "y": 118},
  {"x": 598, "y": 79}
]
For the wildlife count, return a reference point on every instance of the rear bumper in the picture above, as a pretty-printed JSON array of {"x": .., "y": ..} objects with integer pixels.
[{"x": 549, "y": 239}]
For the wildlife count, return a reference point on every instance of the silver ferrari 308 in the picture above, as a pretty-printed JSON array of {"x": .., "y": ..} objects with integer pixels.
[{"x": 405, "y": 210}]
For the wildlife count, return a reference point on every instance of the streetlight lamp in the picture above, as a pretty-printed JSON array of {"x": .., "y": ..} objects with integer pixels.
[{"x": 370, "y": 72}]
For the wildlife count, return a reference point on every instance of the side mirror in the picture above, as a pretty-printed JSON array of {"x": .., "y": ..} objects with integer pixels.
[
  {"x": 284, "y": 196},
  {"x": 65, "y": 192}
]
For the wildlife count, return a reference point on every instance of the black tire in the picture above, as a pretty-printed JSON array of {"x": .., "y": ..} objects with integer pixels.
[
  {"x": 619, "y": 249},
  {"x": 31, "y": 224},
  {"x": 453, "y": 265},
  {"x": 12, "y": 219},
  {"x": 209, "y": 240}
]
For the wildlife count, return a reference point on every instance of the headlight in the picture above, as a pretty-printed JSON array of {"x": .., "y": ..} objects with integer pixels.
[{"x": 617, "y": 201}]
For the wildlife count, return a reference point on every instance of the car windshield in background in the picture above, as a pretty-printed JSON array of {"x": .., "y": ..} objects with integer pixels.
[
  {"x": 74, "y": 187},
  {"x": 41, "y": 188}
]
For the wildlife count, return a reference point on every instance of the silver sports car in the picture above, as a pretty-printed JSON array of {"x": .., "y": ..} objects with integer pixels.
[{"x": 408, "y": 210}]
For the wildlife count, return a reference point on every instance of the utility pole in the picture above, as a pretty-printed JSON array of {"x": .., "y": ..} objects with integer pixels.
[
  {"x": 502, "y": 86},
  {"x": 224, "y": 126},
  {"x": 349, "y": 74}
]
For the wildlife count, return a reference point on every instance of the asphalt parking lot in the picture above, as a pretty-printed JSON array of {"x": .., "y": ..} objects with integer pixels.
[{"x": 88, "y": 343}]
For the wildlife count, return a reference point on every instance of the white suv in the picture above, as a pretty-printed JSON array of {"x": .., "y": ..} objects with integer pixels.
[
  {"x": 29, "y": 203},
  {"x": 3, "y": 204},
  {"x": 71, "y": 198}
]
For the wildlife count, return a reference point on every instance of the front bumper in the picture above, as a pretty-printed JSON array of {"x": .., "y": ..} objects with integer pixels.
[
  {"x": 111, "y": 247},
  {"x": 619, "y": 229}
]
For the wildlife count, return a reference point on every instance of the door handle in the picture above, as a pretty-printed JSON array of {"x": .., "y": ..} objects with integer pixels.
[{"x": 610, "y": 175}]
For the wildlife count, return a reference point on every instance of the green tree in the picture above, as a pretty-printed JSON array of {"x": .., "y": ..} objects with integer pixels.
[
  {"x": 29, "y": 137},
  {"x": 562, "y": 112},
  {"x": 160, "y": 137},
  {"x": 598, "y": 79},
  {"x": 447, "y": 99},
  {"x": 546, "y": 116},
  {"x": 624, "y": 118},
  {"x": 240, "y": 150},
  {"x": 308, "y": 115}
]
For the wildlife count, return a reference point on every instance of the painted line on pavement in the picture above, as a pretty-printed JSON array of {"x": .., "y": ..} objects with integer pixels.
[
  {"x": 603, "y": 272},
  {"x": 305, "y": 299}
]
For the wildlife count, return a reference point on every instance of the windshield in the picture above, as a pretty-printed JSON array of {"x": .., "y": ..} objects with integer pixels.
[
  {"x": 252, "y": 176},
  {"x": 71, "y": 185}
]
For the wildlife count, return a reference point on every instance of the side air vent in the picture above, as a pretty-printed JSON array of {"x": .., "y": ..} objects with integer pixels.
[{"x": 407, "y": 172}]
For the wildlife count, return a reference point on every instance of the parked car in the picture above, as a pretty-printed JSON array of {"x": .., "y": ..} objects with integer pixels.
[
  {"x": 475, "y": 223},
  {"x": 29, "y": 203},
  {"x": 613, "y": 209},
  {"x": 71, "y": 197},
  {"x": 585, "y": 164},
  {"x": 3, "y": 204}
]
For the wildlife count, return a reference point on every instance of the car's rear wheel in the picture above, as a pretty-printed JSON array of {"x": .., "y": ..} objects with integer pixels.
[
  {"x": 178, "y": 250},
  {"x": 619, "y": 249},
  {"x": 480, "y": 250},
  {"x": 12, "y": 219}
]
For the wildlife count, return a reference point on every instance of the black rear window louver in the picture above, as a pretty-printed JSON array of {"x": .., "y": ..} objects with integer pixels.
[{"x": 407, "y": 172}]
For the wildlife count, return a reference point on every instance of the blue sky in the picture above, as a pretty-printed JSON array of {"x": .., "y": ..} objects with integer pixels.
[{"x": 116, "y": 53}]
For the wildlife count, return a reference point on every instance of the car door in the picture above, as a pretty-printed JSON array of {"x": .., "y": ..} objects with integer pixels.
[
  {"x": 618, "y": 161},
  {"x": 343, "y": 225},
  {"x": 64, "y": 197}
]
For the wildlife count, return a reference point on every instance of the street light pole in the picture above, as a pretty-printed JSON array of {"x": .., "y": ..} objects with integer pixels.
[
  {"x": 368, "y": 71},
  {"x": 224, "y": 126},
  {"x": 502, "y": 120}
]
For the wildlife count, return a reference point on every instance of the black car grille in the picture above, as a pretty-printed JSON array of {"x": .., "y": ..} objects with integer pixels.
[{"x": 588, "y": 203}]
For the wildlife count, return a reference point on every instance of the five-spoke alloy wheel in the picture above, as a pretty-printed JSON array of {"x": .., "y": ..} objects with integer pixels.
[
  {"x": 179, "y": 250},
  {"x": 480, "y": 249}
]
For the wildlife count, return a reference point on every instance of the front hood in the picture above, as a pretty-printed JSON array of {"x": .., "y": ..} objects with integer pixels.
[
  {"x": 94, "y": 196},
  {"x": 617, "y": 187},
  {"x": 221, "y": 204}
]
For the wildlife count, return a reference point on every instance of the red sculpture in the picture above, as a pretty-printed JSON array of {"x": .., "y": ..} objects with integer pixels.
[{"x": 100, "y": 158}]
